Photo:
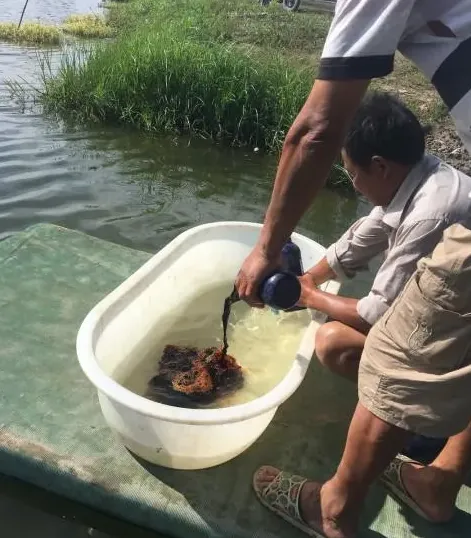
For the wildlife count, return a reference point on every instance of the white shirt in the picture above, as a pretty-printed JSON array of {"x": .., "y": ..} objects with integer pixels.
[
  {"x": 432, "y": 197},
  {"x": 433, "y": 34}
]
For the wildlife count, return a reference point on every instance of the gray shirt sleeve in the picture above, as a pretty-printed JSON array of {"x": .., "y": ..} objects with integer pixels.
[
  {"x": 413, "y": 242},
  {"x": 365, "y": 239}
]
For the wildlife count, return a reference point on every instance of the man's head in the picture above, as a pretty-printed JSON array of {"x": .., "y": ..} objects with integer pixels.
[{"x": 384, "y": 141}]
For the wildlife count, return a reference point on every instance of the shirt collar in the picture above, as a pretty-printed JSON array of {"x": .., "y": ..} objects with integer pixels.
[{"x": 414, "y": 179}]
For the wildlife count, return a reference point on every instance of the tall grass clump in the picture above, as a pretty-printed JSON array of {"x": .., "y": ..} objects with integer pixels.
[
  {"x": 87, "y": 26},
  {"x": 158, "y": 82},
  {"x": 30, "y": 33}
]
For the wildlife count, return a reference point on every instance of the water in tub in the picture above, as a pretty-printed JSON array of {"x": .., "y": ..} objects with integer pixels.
[{"x": 263, "y": 342}]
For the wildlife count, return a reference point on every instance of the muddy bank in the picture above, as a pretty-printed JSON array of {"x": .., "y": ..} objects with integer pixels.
[{"x": 444, "y": 142}]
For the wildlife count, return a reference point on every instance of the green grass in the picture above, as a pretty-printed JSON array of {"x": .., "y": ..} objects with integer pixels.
[
  {"x": 220, "y": 70},
  {"x": 298, "y": 37},
  {"x": 161, "y": 83},
  {"x": 30, "y": 33},
  {"x": 234, "y": 21}
]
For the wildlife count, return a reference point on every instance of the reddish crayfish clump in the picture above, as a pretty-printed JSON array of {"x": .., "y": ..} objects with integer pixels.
[{"x": 191, "y": 377}]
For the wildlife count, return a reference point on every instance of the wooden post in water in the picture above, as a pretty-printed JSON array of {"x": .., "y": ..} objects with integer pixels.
[{"x": 22, "y": 14}]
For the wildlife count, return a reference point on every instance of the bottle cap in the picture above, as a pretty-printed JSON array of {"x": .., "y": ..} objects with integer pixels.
[{"x": 281, "y": 290}]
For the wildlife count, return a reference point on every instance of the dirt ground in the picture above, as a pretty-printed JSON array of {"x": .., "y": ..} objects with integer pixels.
[
  {"x": 445, "y": 143},
  {"x": 418, "y": 93}
]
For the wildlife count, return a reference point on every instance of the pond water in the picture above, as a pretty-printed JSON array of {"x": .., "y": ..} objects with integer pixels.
[
  {"x": 45, "y": 10},
  {"x": 123, "y": 186}
]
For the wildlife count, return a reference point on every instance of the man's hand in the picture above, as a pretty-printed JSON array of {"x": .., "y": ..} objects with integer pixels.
[
  {"x": 255, "y": 268},
  {"x": 308, "y": 287},
  {"x": 312, "y": 279}
]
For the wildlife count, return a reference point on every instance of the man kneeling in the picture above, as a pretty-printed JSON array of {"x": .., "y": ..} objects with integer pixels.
[{"x": 416, "y": 197}]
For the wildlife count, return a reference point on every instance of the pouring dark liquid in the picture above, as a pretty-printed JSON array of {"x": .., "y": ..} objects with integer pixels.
[
  {"x": 228, "y": 302},
  {"x": 280, "y": 290}
]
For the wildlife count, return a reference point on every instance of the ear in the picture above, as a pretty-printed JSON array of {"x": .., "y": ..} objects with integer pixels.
[{"x": 379, "y": 164}]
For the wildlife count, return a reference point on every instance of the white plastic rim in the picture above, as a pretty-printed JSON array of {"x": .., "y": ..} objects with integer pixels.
[{"x": 139, "y": 404}]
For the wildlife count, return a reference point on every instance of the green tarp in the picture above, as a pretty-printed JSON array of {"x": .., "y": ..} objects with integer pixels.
[{"x": 52, "y": 433}]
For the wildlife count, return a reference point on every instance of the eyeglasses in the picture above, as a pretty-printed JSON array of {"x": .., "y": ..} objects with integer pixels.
[{"x": 351, "y": 177}]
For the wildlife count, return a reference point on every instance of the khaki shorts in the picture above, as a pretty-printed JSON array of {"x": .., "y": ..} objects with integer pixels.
[{"x": 415, "y": 371}]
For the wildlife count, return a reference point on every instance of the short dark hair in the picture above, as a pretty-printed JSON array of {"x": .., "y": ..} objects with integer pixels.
[{"x": 385, "y": 127}]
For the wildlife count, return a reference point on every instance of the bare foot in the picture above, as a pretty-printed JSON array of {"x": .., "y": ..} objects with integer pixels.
[
  {"x": 431, "y": 490},
  {"x": 322, "y": 506}
]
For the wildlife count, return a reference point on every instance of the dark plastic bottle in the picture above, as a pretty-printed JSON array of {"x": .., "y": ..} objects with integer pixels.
[
  {"x": 291, "y": 258},
  {"x": 282, "y": 289}
]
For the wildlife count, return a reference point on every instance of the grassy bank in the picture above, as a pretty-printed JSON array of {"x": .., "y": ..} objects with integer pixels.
[
  {"x": 159, "y": 82},
  {"x": 237, "y": 21},
  {"x": 233, "y": 72},
  {"x": 30, "y": 33},
  {"x": 218, "y": 70},
  {"x": 298, "y": 38}
]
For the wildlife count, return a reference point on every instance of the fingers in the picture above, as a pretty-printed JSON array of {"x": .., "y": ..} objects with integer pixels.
[
  {"x": 306, "y": 281},
  {"x": 310, "y": 278},
  {"x": 247, "y": 289},
  {"x": 254, "y": 269},
  {"x": 254, "y": 300}
]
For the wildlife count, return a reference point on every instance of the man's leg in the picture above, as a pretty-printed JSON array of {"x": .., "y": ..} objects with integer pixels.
[
  {"x": 339, "y": 348},
  {"x": 335, "y": 506},
  {"x": 415, "y": 371},
  {"x": 414, "y": 375},
  {"x": 436, "y": 486}
]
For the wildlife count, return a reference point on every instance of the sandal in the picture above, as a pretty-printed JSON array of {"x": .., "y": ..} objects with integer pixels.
[
  {"x": 281, "y": 496},
  {"x": 392, "y": 481}
]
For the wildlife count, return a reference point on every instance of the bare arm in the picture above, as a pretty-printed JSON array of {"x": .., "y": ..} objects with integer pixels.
[
  {"x": 361, "y": 43},
  {"x": 339, "y": 308},
  {"x": 320, "y": 273},
  {"x": 310, "y": 148},
  {"x": 309, "y": 151}
]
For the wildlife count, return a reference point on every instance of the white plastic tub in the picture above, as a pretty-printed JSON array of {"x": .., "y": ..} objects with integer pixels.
[{"x": 140, "y": 311}]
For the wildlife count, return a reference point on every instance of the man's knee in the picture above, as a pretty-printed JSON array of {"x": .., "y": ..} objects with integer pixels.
[{"x": 328, "y": 343}]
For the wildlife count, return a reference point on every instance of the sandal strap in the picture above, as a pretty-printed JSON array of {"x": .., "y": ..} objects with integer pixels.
[
  {"x": 393, "y": 470},
  {"x": 283, "y": 494}
]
